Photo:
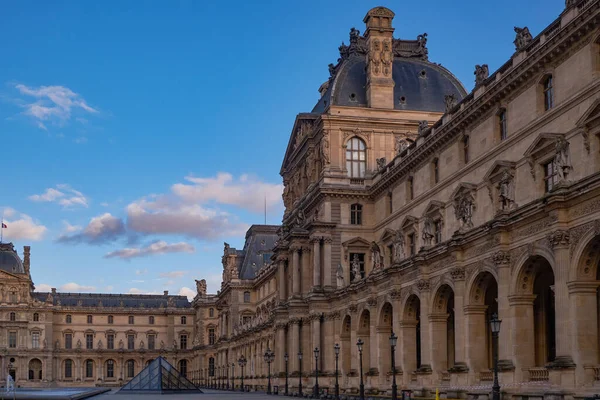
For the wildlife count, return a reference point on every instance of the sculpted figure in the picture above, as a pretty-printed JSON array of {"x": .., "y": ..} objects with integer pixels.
[
  {"x": 423, "y": 125},
  {"x": 506, "y": 192},
  {"x": 463, "y": 209},
  {"x": 427, "y": 231},
  {"x": 356, "y": 269},
  {"x": 523, "y": 38},
  {"x": 400, "y": 145},
  {"x": 201, "y": 287},
  {"x": 121, "y": 344},
  {"x": 340, "y": 276},
  {"x": 325, "y": 150},
  {"x": 562, "y": 159},
  {"x": 450, "y": 101},
  {"x": 375, "y": 256},
  {"x": 300, "y": 218},
  {"x": 79, "y": 343},
  {"x": 482, "y": 72},
  {"x": 162, "y": 345},
  {"x": 44, "y": 344},
  {"x": 381, "y": 162},
  {"x": 56, "y": 345},
  {"x": 399, "y": 254}
]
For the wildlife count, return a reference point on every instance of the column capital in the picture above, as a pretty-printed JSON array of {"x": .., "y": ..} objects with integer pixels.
[
  {"x": 327, "y": 239},
  {"x": 315, "y": 239},
  {"x": 521, "y": 299},
  {"x": 295, "y": 247},
  {"x": 438, "y": 317},
  {"x": 585, "y": 287},
  {"x": 475, "y": 309}
]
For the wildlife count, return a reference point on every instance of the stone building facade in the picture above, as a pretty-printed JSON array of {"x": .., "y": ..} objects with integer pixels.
[
  {"x": 85, "y": 339},
  {"x": 417, "y": 208}
]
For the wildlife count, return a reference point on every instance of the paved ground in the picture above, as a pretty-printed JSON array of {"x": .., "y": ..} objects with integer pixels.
[{"x": 208, "y": 394}]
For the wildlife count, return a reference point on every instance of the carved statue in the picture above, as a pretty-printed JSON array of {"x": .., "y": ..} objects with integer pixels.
[
  {"x": 100, "y": 345},
  {"x": 423, "y": 125},
  {"x": 174, "y": 344},
  {"x": 300, "y": 218},
  {"x": 506, "y": 194},
  {"x": 450, "y": 101},
  {"x": 331, "y": 70},
  {"x": 56, "y": 345},
  {"x": 463, "y": 208},
  {"x": 162, "y": 345},
  {"x": 482, "y": 72},
  {"x": 311, "y": 167},
  {"x": 375, "y": 255},
  {"x": 562, "y": 159},
  {"x": 381, "y": 163},
  {"x": 201, "y": 287},
  {"x": 286, "y": 196},
  {"x": 340, "y": 276},
  {"x": 374, "y": 57},
  {"x": 400, "y": 145},
  {"x": 141, "y": 344},
  {"x": 427, "y": 231},
  {"x": 121, "y": 344},
  {"x": 44, "y": 344},
  {"x": 325, "y": 149},
  {"x": 422, "y": 42},
  {"x": 354, "y": 35},
  {"x": 399, "y": 254},
  {"x": 356, "y": 269},
  {"x": 79, "y": 343},
  {"x": 523, "y": 38}
]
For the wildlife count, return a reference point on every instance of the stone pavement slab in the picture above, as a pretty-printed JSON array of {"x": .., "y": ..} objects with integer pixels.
[{"x": 208, "y": 394}]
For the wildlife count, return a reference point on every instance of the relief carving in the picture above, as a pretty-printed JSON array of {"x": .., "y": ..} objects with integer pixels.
[
  {"x": 457, "y": 274},
  {"x": 423, "y": 285},
  {"x": 559, "y": 238}
]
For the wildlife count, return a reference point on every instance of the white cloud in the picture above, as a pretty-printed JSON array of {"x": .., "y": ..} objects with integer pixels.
[
  {"x": 22, "y": 226},
  {"x": 141, "y": 271},
  {"x": 140, "y": 291},
  {"x": 66, "y": 196},
  {"x": 159, "y": 247},
  {"x": 186, "y": 291},
  {"x": 68, "y": 228},
  {"x": 101, "y": 229},
  {"x": 53, "y": 104},
  {"x": 246, "y": 192},
  {"x": 173, "y": 274},
  {"x": 75, "y": 287},
  {"x": 43, "y": 287}
]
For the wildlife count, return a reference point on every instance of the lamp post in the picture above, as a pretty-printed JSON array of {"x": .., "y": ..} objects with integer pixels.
[
  {"x": 316, "y": 388},
  {"x": 359, "y": 344},
  {"x": 300, "y": 374},
  {"x": 242, "y": 362},
  {"x": 286, "y": 358},
  {"x": 336, "y": 349},
  {"x": 495, "y": 326},
  {"x": 233, "y": 377},
  {"x": 393, "y": 342},
  {"x": 269, "y": 357}
]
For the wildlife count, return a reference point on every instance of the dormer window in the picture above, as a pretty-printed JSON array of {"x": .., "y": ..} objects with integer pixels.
[
  {"x": 356, "y": 214},
  {"x": 36, "y": 317},
  {"x": 548, "y": 93},
  {"x": 246, "y": 297},
  {"x": 68, "y": 319},
  {"x": 356, "y": 158}
]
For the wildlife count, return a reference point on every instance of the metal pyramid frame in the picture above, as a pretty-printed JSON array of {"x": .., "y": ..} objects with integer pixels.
[{"x": 159, "y": 377}]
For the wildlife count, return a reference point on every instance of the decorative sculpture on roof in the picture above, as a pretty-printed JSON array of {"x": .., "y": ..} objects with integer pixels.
[
  {"x": 381, "y": 163},
  {"x": 374, "y": 57},
  {"x": 201, "y": 287},
  {"x": 523, "y": 38},
  {"x": 300, "y": 218},
  {"x": 482, "y": 72},
  {"x": 398, "y": 247},
  {"x": 170, "y": 302},
  {"x": 375, "y": 256},
  {"x": 356, "y": 275},
  {"x": 340, "y": 276},
  {"x": 562, "y": 159},
  {"x": 427, "y": 231},
  {"x": 400, "y": 145},
  {"x": 286, "y": 196},
  {"x": 354, "y": 35},
  {"x": 506, "y": 191},
  {"x": 331, "y": 70},
  {"x": 49, "y": 298},
  {"x": 422, "y": 42},
  {"x": 450, "y": 101},
  {"x": 423, "y": 125}
]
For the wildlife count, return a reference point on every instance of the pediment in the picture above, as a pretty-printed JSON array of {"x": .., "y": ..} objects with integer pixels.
[
  {"x": 462, "y": 189},
  {"x": 387, "y": 235},
  {"x": 408, "y": 221},
  {"x": 433, "y": 207},
  {"x": 591, "y": 116},
  {"x": 543, "y": 144},
  {"x": 356, "y": 242},
  {"x": 303, "y": 127},
  {"x": 498, "y": 168},
  {"x": 7, "y": 277}
]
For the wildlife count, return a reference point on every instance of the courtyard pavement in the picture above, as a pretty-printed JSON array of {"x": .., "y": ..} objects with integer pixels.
[{"x": 208, "y": 394}]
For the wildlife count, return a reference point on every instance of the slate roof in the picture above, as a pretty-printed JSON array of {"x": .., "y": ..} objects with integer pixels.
[
  {"x": 9, "y": 259},
  {"x": 114, "y": 300},
  {"x": 258, "y": 248}
]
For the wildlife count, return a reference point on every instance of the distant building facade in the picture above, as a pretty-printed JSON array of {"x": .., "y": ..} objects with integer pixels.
[{"x": 417, "y": 208}]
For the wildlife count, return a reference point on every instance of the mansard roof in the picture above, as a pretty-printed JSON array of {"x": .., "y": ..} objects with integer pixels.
[
  {"x": 9, "y": 259},
  {"x": 258, "y": 248},
  {"x": 114, "y": 300}
]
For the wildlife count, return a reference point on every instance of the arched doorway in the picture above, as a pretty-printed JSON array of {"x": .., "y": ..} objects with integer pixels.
[
  {"x": 364, "y": 333},
  {"x": 411, "y": 334},
  {"x": 544, "y": 315},
  {"x": 482, "y": 304},
  {"x": 35, "y": 369},
  {"x": 346, "y": 351},
  {"x": 384, "y": 331},
  {"x": 183, "y": 368},
  {"x": 443, "y": 329}
]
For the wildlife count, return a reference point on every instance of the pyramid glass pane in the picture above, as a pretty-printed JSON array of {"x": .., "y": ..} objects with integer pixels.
[{"x": 159, "y": 376}]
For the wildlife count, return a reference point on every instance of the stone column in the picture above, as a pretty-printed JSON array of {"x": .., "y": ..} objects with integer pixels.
[
  {"x": 327, "y": 269},
  {"x": 439, "y": 343},
  {"x": 316, "y": 242},
  {"x": 280, "y": 348},
  {"x": 584, "y": 338},
  {"x": 476, "y": 332},
  {"x": 305, "y": 276},
  {"x": 329, "y": 340},
  {"x": 560, "y": 243},
  {"x": 522, "y": 331},
  {"x": 295, "y": 270},
  {"x": 408, "y": 350},
  {"x": 458, "y": 276},
  {"x": 424, "y": 288},
  {"x": 281, "y": 279},
  {"x": 294, "y": 341}
]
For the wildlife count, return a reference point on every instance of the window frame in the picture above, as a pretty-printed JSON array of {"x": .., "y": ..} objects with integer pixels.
[
  {"x": 35, "y": 340},
  {"x": 550, "y": 179},
  {"x": 69, "y": 319},
  {"x": 548, "y": 92},
  {"x": 353, "y": 157},
  {"x": 183, "y": 341},
  {"x": 36, "y": 317},
  {"x": 111, "y": 320},
  {"x": 89, "y": 341},
  {"x": 412, "y": 243},
  {"x": 110, "y": 341},
  {"x": 131, "y": 320},
  {"x": 211, "y": 312},
  {"x": 183, "y": 367},
  {"x": 212, "y": 336},
  {"x": 68, "y": 341},
  {"x": 12, "y": 316},
  {"x": 502, "y": 124},
  {"x": 130, "y": 341},
  {"x": 130, "y": 368},
  {"x": 247, "y": 297},
  {"x": 183, "y": 320},
  {"x": 151, "y": 342},
  {"x": 13, "y": 339},
  {"x": 356, "y": 210},
  {"x": 68, "y": 369},
  {"x": 151, "y": 320},
  {"x": 89, "y": 368},
  {"x": 110, "y": 368},
  {"x": 90, "y": 319}
]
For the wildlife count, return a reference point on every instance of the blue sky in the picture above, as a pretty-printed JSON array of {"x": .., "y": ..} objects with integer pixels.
[{"x": 138, "y": 136}]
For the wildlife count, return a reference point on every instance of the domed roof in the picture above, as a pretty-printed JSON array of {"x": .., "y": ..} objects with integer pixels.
[
  {"x": 9, "y": 259},
  {"x": 420, "y": 85}
]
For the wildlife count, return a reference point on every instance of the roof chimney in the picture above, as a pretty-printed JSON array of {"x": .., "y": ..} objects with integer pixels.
[
  {"x": 26, "y": 260},
  {"x": 166, "y": 293},
  {"x": 380, "y": 59}
]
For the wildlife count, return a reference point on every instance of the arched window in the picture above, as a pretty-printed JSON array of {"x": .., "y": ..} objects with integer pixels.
[
  {"x": 246, "y": 297},
  {"x": 68, "y": 319},
  {"x": 110, "y": 369},
  {"x": 68, "y": 369},
  {"x": 36, "y": 317},
  {"x": 89, "y": 369},
  {"x": 211, "y": 312},
  {"x": 130, "y": 368},
  {"x": 548, "y": 93},
  {"x": 356, "y": 158},
  {"x": 151, "y": 320},
  {"x": 356, "y": 214},
  {"x": 13, "y": 316},
  {"x": 183, "y": 368},
  {"x": 183, "y": 320}
]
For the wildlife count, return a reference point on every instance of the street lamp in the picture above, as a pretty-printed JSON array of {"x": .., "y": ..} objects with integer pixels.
[
  {"x": 269, "y": 357},
  {"x": 233, "y": 376},
  {"x": 393, "y": 342},
  {"x": 316, "y": 388},
  {"x": 336, "y": 349},
  {"x": 300, "y": 374},
  {"x": 359, "y": 344},
  {"x": 242, "y": 362},
  {"x": 286, "y": 358},
  {"x": 495, "y": 326}
]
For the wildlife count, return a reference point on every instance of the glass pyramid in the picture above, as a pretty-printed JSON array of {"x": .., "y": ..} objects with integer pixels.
[{"x": 159, "y": 376}]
